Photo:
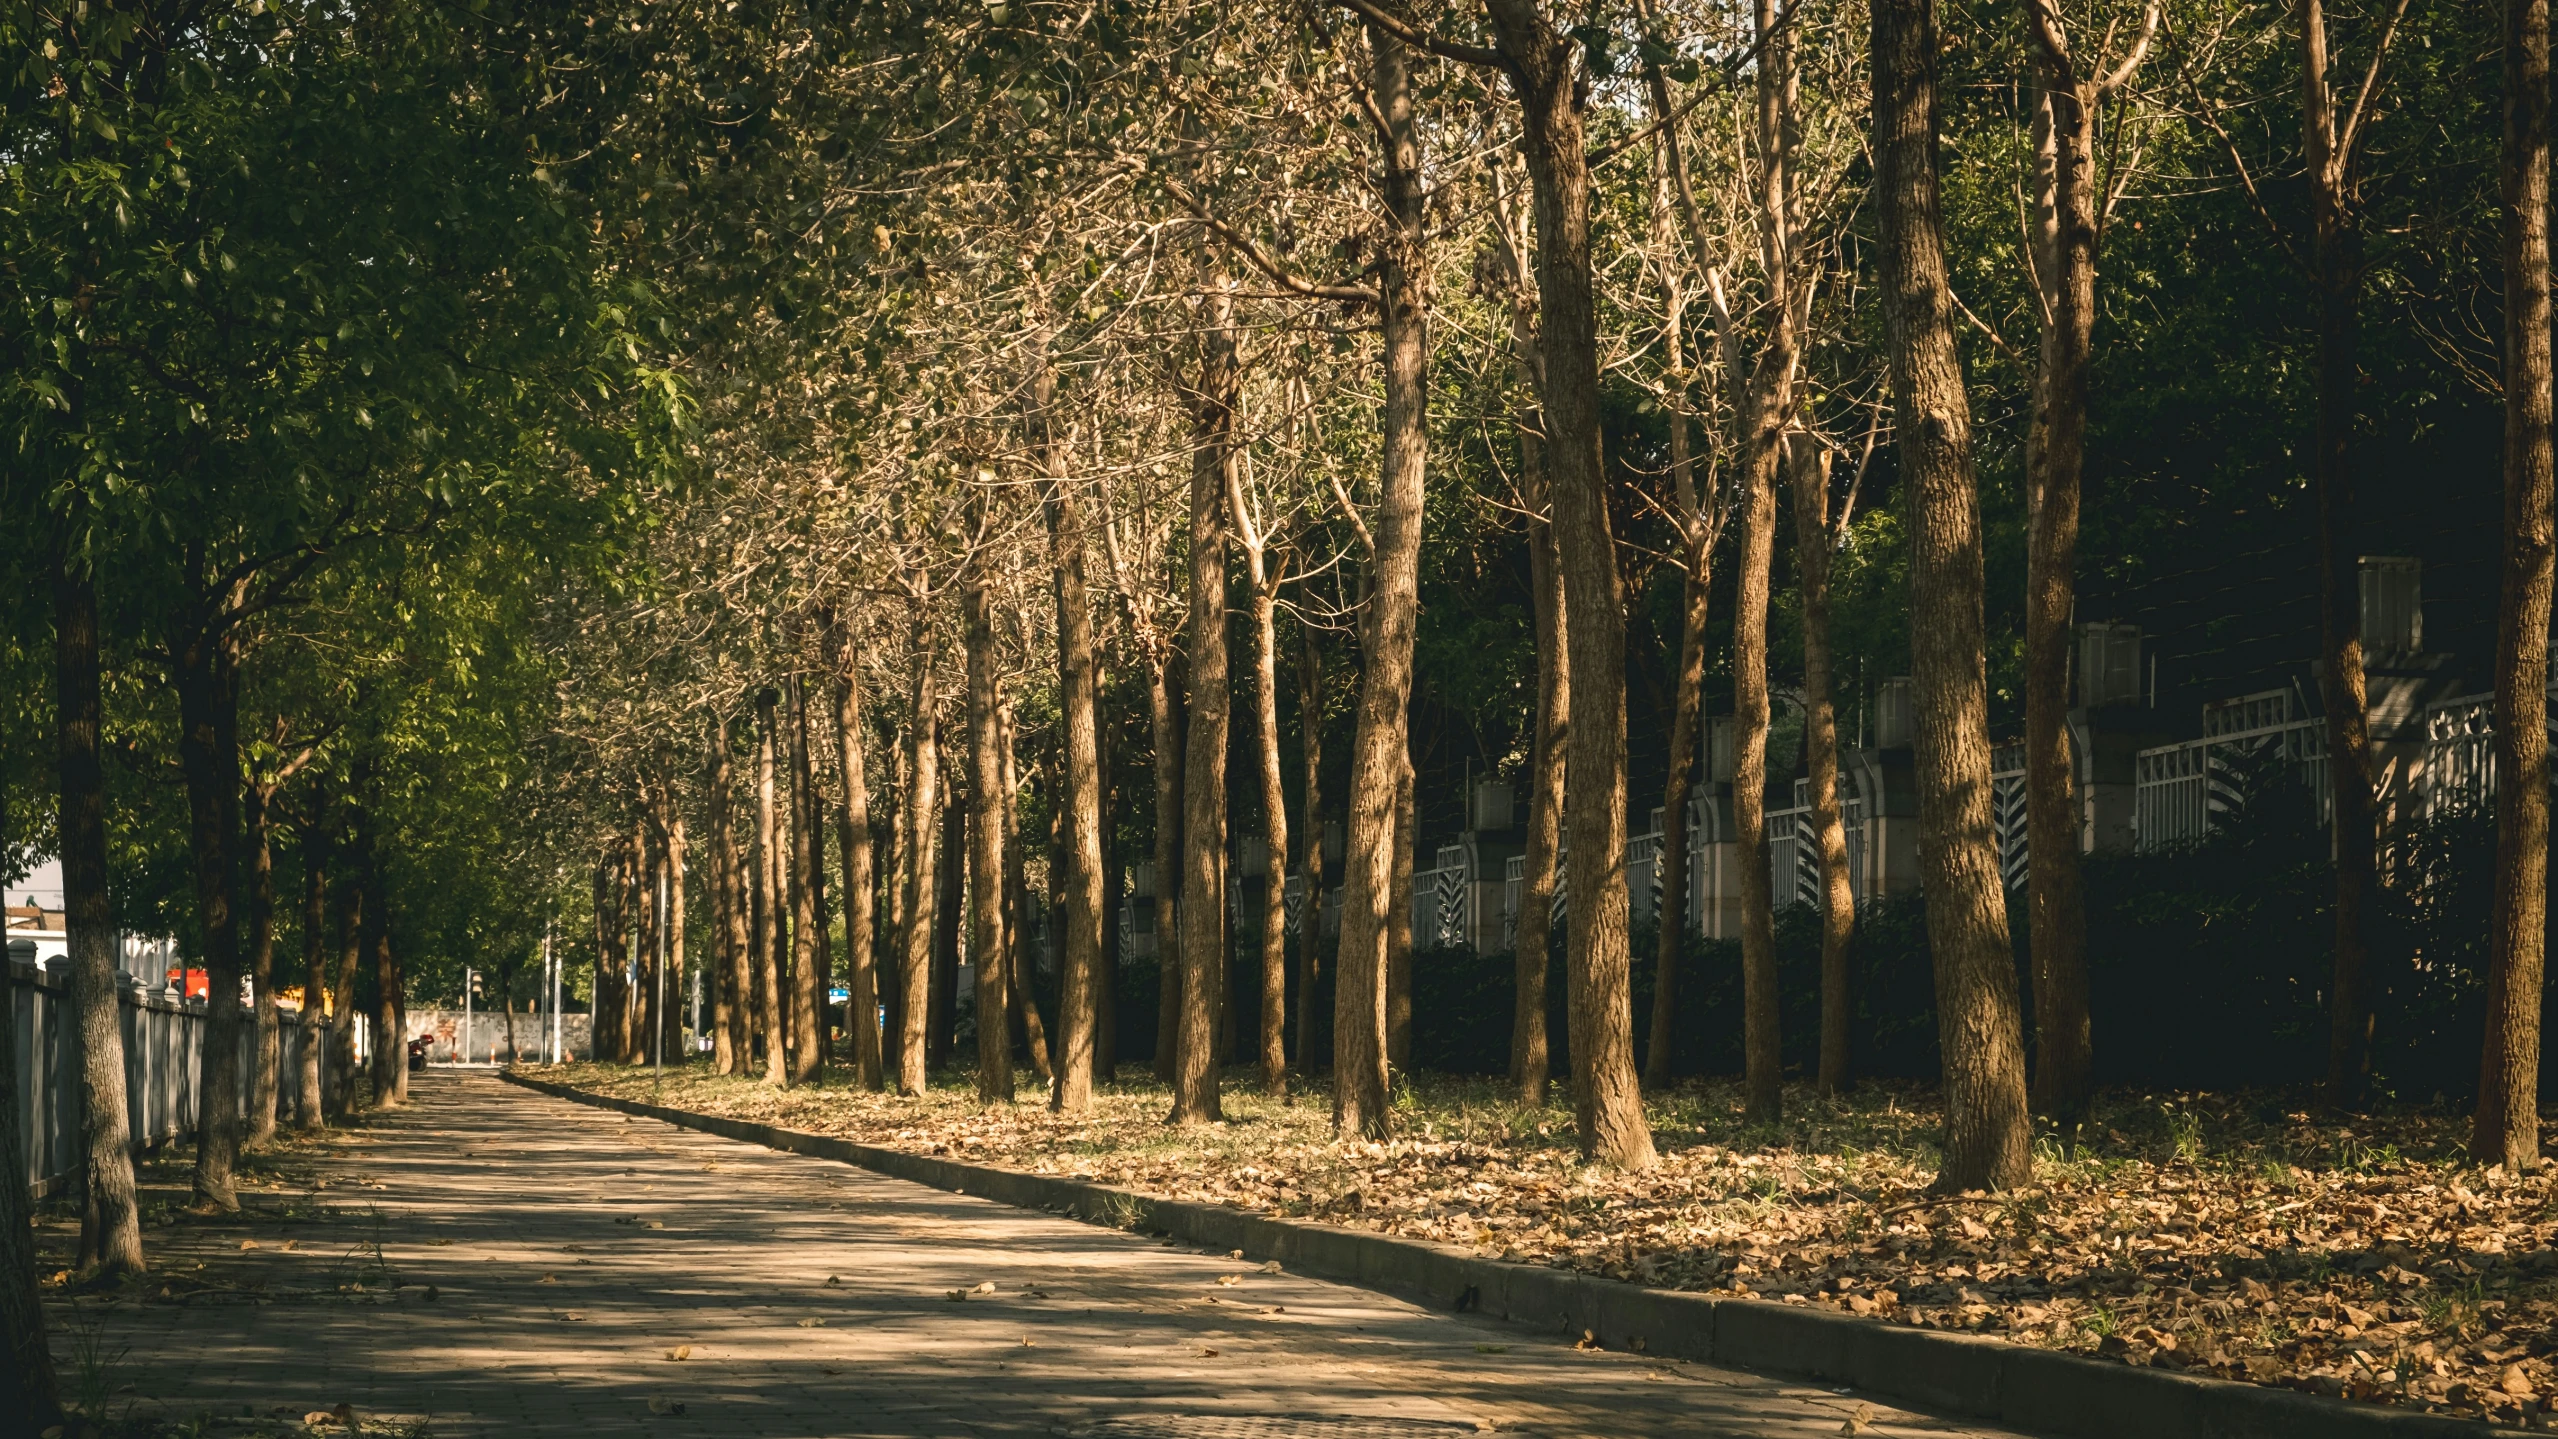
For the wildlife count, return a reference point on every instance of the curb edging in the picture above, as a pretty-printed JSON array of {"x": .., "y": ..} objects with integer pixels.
[{"x": 2043, "y": 1391}]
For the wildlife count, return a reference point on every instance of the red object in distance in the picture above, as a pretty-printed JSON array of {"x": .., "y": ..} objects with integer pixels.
[{"x": 195, "y": 984}]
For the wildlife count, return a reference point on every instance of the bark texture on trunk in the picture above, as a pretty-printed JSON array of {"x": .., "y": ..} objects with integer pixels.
[
  {"x": 988, "y": 955},
  {"x": 267, "y": 1060},
  {"x": 310, "y": 1108},
  {"x": 111, "y": 1216},
  {"x": 950, "y": 914},
  {"x": 208, "y": 686},
  {"x": 390, "y": 1043},
  {"x": 1262, "y": 576},
  {"x": 724, "y": 966},
  {"x": 1079, "y": 995},
  {"x": 768, "y": 890},
  {"x": 2336, "y": 277},
  {"x": 1399, "y": 928},
  {"x": 809, "y": 944},
  {"x": 1165, "y": 711},
  {"x": 1214, "y": 396},
  {"x": 2065, "y": 219},
  {"x": 1532, "y": 949},
  {"x": 922, "y": 880},
  {"x": 671, "y": 1030},
  {"x": 861, "y": 879},
  {"x": 1608, "y": 1099},
  {"x": 1388, "y": 623},
  {"x": 1810, "y": 477},
  {"x": 1979, "y": 1029},
  {"x": 350, "y": 956},
  {"x": 1762, "y": 1062},
  {"x": 2507, "y": 1128},
  {"x": 1310, "y": 708}
]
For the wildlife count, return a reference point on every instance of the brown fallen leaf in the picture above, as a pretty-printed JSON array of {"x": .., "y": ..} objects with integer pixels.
[
  {"x": 834, "y": 1279},
  {"x": 680, "y": 1352},
  {"x": 1588, "y": 1340},
  {"x": 1028, "y": 1343},
  {"x": 1859, "y": 1421},
  {"x": 574, "y": 1316},
  {"x": 652, "y": 1224},
  {"x": 1230, "y": 1279},
  {"x": 812, "y": 1324},
  {"x": 1270, "y": 1266},
  {"x": 988, "y": 1287},
  {"x": 665, "y": 1406},
  {"x": 246, "y": 1244},
  {"x": 288, "y": 1244},
  {"x": 548, "y": 1279},
  {"x": 439, "y": 1243},
  {"x": 1207, "y": 1353}
]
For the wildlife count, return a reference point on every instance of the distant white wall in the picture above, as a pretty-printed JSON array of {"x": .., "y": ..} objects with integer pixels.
[{"x": 43, "y": 887}]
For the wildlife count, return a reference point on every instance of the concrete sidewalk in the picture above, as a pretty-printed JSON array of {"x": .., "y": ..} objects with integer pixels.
[{"x": 489, "y": 1261}]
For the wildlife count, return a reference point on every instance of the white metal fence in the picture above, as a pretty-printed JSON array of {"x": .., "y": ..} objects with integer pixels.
[{"x": 163, "y": 1039}]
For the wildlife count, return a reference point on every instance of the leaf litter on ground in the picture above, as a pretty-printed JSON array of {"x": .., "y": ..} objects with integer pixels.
[{"x": 2244, "y": 1235}]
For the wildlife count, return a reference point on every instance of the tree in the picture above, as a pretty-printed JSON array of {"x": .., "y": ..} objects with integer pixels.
[
  {"x": 1987, "y": 1136},
  {"x": 2506, "y": 1130},
  {"x": 2071, "y": 205}
]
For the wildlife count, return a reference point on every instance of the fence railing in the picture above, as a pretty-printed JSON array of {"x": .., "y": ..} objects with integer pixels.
[
  {"x": 2181, "y": 789},
  {"x": 163, "y": 1043}
]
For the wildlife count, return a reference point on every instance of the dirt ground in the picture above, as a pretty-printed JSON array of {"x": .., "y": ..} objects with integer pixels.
[{"x": 2243, "y": 1234}]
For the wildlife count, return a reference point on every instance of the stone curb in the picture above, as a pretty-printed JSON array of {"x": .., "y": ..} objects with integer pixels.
[{"x": 2042, "y": 1391}]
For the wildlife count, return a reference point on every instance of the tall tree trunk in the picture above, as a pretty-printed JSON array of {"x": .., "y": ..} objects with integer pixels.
[
  {"x": 726, "y": 991},
  {"x": 923, "y": 872},
  {"x": 350, "y": 956},
  {"x": 1079, "y": 702},
  {"x": 267, "y": 1059},
  {"x": 768, "y": 890},
  {"x": 1399, "y": 928},
  {"x": 1388, "y": 622},
  {"x": 1020, "y": 998},
  {"x": 390, "y": 1044},
  {"x": 2507, "y": 1131},
  {"x": 1686, "y": 709},
  {"x": 809, "y": 945},
  {"x": 1699, "y": 530},
  {"x": 988, "y": 955},
  {"x": 950, "y": 890},
  {"x": 671, "y": 1030},
  {"x": 2336, "y": 276},
  {"x": 1979, "y": 1030},
  {"x": 892, "y": 956},
  {"x": 110, "y": 1218},
  {"x": 1767, "y": 407},
  {"x": 27, "y": 1385},
  {"x": 1532, "y": 947},
  {"x": 1810, "y": 465},
  {"x": 608, "y": 949},
  {"x": 1762, "y": 1064},
  {"x": 861, "y": 881},
  {"x": 1608, "y": 1100},
  {"x": 641, "y": 1014},
  {"x": 2065, "y": 264},
  {"x": 1274, "y": 810},
  {"x": 1213, "y": 398},
  {"x": 1164, "y": 708},
  {"x": 1310, "y": 710},
  {"x": 209, "y": 754},
  {"x": 310, "y": 1106}
]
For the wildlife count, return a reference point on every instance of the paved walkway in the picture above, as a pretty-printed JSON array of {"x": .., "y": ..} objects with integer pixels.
[{"x": 532, "y": 1267}]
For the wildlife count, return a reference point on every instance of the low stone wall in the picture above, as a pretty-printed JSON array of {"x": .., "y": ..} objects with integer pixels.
[{"x": 487, "y": 1038}]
